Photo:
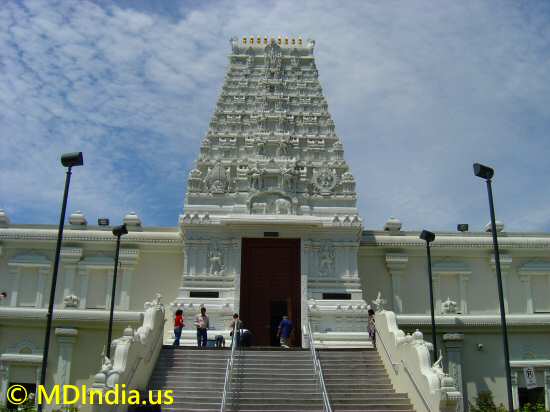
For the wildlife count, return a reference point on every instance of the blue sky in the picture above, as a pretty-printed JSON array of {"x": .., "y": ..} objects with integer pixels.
[{"x": 418, "y": 90}]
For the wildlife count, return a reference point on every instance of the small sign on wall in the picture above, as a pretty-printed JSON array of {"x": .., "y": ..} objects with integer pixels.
[{"x": 530, "y": 377}]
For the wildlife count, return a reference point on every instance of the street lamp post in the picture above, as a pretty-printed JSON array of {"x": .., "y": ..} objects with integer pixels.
[
  {"x": 67, "y": 160},
  {"x": 487, "y": 173},
  {"x": 429, "y": 237},
  {"x": 118, "y": 231}
]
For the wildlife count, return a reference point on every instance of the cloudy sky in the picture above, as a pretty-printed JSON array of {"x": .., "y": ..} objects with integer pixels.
[{"x": 419, "y": 90}]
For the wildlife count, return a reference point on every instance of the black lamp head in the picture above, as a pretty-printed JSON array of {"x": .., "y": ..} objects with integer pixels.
[
  {"x": 485, "y": 172},
  {"x": 427, "y": 236},
  {"x": 72, "y": 159},
  {"x": 462, "y": 227},
  {"x": 120, "y": 230}
]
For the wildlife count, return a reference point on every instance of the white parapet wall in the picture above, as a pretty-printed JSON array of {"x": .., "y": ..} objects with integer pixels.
[
  {"x": 134, "y": 355},
  {"x": 407, "y": 360}
]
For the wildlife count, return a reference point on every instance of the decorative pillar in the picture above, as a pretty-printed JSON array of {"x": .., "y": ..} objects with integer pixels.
[
  {"x": 66, "y": 338},
  {"x": 69, "y": 261},
  {"x": 16, "y": 275},
  {"x": 109, "y": 286},
  {"x": 547, "y": 388},
  {"x": 526, "y": 280},
  {"x": 396, "y": 264},
  {"x": 41, "y": 294},
  {"x": 437, "y": 293},
  {"x": 515, "y": 392},
  {"x": 505, "y": 265},
  {"x": 453, "y": 345},
  {"x": 4, "y": 382},
  {"x": 237, "y": 281},
  {"x": 128, "y": 259},
  {"x": 84, "y": 277},
  {"x": 463, "y": 291}
]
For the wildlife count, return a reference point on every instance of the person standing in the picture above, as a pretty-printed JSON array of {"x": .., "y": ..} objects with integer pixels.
[
  {"x": 236, "y": 324},
  {"x": 178, "y": 326},
  {"x": 284, "y": 330},
  {"x": 371, "y": 327},
  {"x": 202, "y": 323}
]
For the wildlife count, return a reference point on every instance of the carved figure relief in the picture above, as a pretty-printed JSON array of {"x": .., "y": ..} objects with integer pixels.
[
  {"x": 255, "y": 178},
  {"x": 326, "y": 259},
  {"x": 215, "y": 259},
  {"x": 288, "y": 178},
  {"x": 217, "y": 179},
  {"x": 448, "y": 307},
  {"x": 325, "y": 180},
  {"x": 271, "y": 203}
]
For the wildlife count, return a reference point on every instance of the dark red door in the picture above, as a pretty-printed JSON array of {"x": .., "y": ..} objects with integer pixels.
[{"x": 270, "y": 287}]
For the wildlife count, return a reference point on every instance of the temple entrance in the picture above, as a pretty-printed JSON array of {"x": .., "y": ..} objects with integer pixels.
[{"x": 270, "y": 288}]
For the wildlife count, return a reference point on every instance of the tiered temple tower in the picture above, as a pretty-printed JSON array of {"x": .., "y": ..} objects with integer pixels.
[{"x": 272, "y": 164}]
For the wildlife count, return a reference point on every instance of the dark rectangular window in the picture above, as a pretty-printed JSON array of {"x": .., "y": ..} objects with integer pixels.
[
  {"x": 203, "y": 294},
  {"x": 337, "y": 296}
]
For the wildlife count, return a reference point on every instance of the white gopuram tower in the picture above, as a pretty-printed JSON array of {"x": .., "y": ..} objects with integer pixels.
[{"x": 271, "y": 165}]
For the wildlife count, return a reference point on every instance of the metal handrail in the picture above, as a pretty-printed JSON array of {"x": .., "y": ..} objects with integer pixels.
[
  {"x": 318, "y": 369},
  {"x": 229, "y": 369},
  {"x": 395, "y": 365}
]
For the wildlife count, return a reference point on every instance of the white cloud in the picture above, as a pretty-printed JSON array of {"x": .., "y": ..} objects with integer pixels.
[{"x": 418, "y": 90}]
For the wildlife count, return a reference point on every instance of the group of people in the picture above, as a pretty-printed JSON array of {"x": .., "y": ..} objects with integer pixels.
[
  {"x": 202, "y": 324},
  {"x": 284, "y": 330}
]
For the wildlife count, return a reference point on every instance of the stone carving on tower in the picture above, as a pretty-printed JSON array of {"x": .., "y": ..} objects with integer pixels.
[{"x": 271, "y": 132}]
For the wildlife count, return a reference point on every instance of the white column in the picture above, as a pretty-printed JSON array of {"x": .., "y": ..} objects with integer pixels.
[
  {"x": 109, "y": 287},
  {"x": 127, "y": 274},
  {"x": 41, "y": 294},
  {"x": 515, "y": 392},
  {"x": 66, "y": 338},
  {"x": 547, "y": 388},
  {"x": 526, "y": 280},
  {"x": 437, "y": 294},
  {"x": 463, "y": 293},
  {"x": 84, "y": 277},
  {"x": 505, "y": 265},
  {"x": 69, "y": 277},
  {"x": 4, "y": 381},
  {"x": 453, "y": 345},
  {"x": 237, "y": 280},
  {"x": 396, "y": 264},
  {"x": 16, "y": 275}
]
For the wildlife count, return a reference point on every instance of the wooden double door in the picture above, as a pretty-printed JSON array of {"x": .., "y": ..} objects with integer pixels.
[{"x": 270, "y": 288}]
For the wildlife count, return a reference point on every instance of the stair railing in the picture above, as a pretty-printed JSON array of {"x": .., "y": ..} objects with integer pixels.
[
  {"x": 318, "y": 369},
  {"x": 229, "y": 369}
]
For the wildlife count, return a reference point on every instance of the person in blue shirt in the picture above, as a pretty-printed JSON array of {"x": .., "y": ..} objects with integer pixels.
[{"x": 283, "y": 331}]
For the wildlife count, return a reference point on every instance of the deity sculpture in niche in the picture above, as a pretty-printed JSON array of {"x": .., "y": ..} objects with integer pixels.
[
  {"x": 324, "y": 180},
  {"x": 215, "y": 259},
  {"x": 271, "y": 203},
  {"x": 288, "y": 178},
  {"x": 284, "y": 144},
  {"x": 448, "y": 307},
  {"x": 217, "y": 179},
  {"x": 326, "y": 259},
  {"x": 255, "y": 177}
]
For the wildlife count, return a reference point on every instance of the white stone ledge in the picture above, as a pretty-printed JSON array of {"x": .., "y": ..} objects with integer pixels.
[
  {"x": 518, "y": 241},
  {"x": 48, "y": 234},
  {"x": 474, "y": 320},
  {"x": 21, "y": 358},
  {"x": 87, "y": 315}
]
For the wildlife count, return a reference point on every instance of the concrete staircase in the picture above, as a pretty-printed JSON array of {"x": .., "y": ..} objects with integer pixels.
[
  {"x": 275, "y": 380},
  {"x": 357, "y": 381},
  {"x": 196, "y": 377}
]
